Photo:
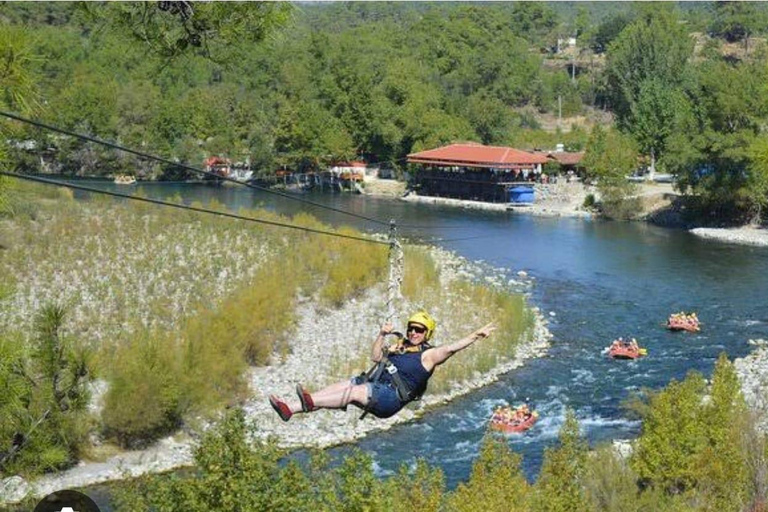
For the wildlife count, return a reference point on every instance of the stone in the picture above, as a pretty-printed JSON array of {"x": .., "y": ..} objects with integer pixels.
[{"x": 13, "y": 489}]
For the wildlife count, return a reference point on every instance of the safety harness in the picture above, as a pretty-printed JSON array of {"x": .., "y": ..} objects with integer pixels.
[{"x": 404, "y": 392}]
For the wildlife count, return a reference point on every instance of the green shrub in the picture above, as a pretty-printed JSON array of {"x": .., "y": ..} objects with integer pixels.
[
  {"x": 723, "y": 461},
  {"x": 560, "y": 485},
  {"x": 496, "y": 483},
  {"x": 618, "y": 199},
  {"x": 673, "y": 437},
  {"x": 353, "y": 267},
  {"x": 610, "y": 484},
  {"x": 424, "y": 491},
  {"x": 145, "y": 385},
  {"x": 43, "y": 404}
]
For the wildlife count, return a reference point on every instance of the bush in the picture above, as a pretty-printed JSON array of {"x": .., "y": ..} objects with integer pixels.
[
  {"x": 496, "y": 482},
  {"x": 609, "y": 483},
  {"x": 43, "y": 406},
  {"x": 673, "y": 436},
  {"x": 560, "y": 485},
  {"x": 144, "y": 398}
]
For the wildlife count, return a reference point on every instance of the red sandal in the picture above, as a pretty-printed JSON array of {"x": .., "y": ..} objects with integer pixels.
[
  {"x": 307, "y": 404},
  {"x": 280, "y": 408}
]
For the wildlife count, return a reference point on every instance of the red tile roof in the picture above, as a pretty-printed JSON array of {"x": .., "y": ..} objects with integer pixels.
[{"x": 477, "y": 155}]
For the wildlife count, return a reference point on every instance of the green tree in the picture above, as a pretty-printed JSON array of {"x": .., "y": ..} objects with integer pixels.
[
  {"x": 723, "y": 466},
  {"x": 606, "y": 481},
  {"x": 607, "y": 31},
  {"x": 673, "y": 438},
  {"x": 655, "y": 115},
  {"x": 737, "y": 21},
  {"x": 532, "y": 20},
  {"x": 756, "y": 190},
  {"x": 654, "y": 47},
  {"x": 424, "y": 490},
  {"x": 212, "y": 30},
  {"x": 495, "y": 484},
  {"x": 611, "y": 156},
  {"x": 560, "y": 484},
  {"x": 18, "y": 92},
  {"x": 43, "y": 409}
]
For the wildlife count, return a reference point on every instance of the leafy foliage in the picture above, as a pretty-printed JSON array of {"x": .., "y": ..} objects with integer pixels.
[
  {"x": 610, "y": 157},
  {"x": 496, "y": 482},
  {"x": 43, "y": 409},
  {"x": 560, "y": 484},
  {"x": 172, "y": 29}
]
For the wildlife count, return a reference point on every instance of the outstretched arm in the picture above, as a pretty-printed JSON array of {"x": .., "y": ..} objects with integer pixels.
[{"x": 439, "y": 355}]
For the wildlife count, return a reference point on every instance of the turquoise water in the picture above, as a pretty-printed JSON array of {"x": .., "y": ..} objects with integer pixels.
[{"x": 601, "y": 279}]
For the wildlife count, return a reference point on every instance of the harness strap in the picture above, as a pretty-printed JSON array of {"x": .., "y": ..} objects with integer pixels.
[{"x": 404, "y": 391}]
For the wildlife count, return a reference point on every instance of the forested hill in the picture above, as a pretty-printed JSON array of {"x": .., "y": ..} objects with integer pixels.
[{"x": 683, "y": 84}]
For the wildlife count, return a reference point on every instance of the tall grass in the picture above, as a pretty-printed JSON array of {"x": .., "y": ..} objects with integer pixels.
[{"x": 513, "y": 324}]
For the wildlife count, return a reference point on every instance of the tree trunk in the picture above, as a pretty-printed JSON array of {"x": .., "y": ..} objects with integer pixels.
[{"x": 652, "y": 173}]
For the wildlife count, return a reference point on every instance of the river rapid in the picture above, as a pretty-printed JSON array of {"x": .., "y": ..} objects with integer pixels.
[{"x": 595, "y": 281}]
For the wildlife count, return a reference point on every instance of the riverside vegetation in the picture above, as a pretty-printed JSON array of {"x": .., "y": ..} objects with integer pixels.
[
  {"x": 675, "y": 87},
  {"x": 698, "y": 450},
  {"x": 161, "y": 313}
]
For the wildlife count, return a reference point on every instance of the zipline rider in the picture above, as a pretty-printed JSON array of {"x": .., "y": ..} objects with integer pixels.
[{"x": 400, "y": 375}]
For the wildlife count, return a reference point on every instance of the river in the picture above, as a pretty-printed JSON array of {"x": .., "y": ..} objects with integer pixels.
[{"x": 599, "y": 279}]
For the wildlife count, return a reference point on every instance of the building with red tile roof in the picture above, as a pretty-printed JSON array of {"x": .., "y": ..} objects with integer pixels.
[
  {"x": 478, "y": 156},
  {"x": 473, "y": 171}
]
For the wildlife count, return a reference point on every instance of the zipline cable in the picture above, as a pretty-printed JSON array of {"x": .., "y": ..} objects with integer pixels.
[
  {"x": 185, "y": 207},
  {"x": 185, "y": 166},
  {"x": 207, "y": 173}
]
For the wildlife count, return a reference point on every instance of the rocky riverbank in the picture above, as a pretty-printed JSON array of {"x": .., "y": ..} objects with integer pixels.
[
  {"x": 753, "y": 375},
  {"x": 321, "y": 340},
  {"x": 745, "y": 235},
  {"x": 560, "y": 199}
]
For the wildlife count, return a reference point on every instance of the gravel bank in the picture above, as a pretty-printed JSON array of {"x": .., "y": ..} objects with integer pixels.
[
  {"x": 744, "y": 235},
  {"x": 322, "y": 338},
  {"x": 753, "y": 375}
]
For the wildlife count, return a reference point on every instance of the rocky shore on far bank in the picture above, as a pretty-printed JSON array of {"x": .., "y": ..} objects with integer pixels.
[
  {"x": 560, "y": 199},
  {"x": 745, "y": 235},
  {"x": 322, "y": 337}
]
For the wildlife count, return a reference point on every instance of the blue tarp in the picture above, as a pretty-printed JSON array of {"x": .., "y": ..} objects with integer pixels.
[{"x": 521, "y": 195}]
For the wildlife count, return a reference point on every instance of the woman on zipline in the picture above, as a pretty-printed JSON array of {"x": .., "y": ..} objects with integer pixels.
[{"x": 400, "y": 376}]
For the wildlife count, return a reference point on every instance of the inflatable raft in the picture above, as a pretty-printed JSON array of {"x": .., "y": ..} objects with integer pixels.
[{"x": 514, "y": 426}]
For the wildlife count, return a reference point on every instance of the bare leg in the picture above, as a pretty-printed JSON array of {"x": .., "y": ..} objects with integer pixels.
[
  {"x": 338, "y": 397},
  {"x": 335, "y": 396}
]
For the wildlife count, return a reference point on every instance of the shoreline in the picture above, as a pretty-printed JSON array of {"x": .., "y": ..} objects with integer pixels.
[
  {"x": 744, "y": 235},
  {"x": 324, "y": 428},
  {"x": 542, "y": 209},
  {"x": 752, "y": 371}
]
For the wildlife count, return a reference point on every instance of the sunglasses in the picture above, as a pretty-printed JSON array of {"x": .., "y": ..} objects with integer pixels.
[{"x": 417, "y": 329}]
